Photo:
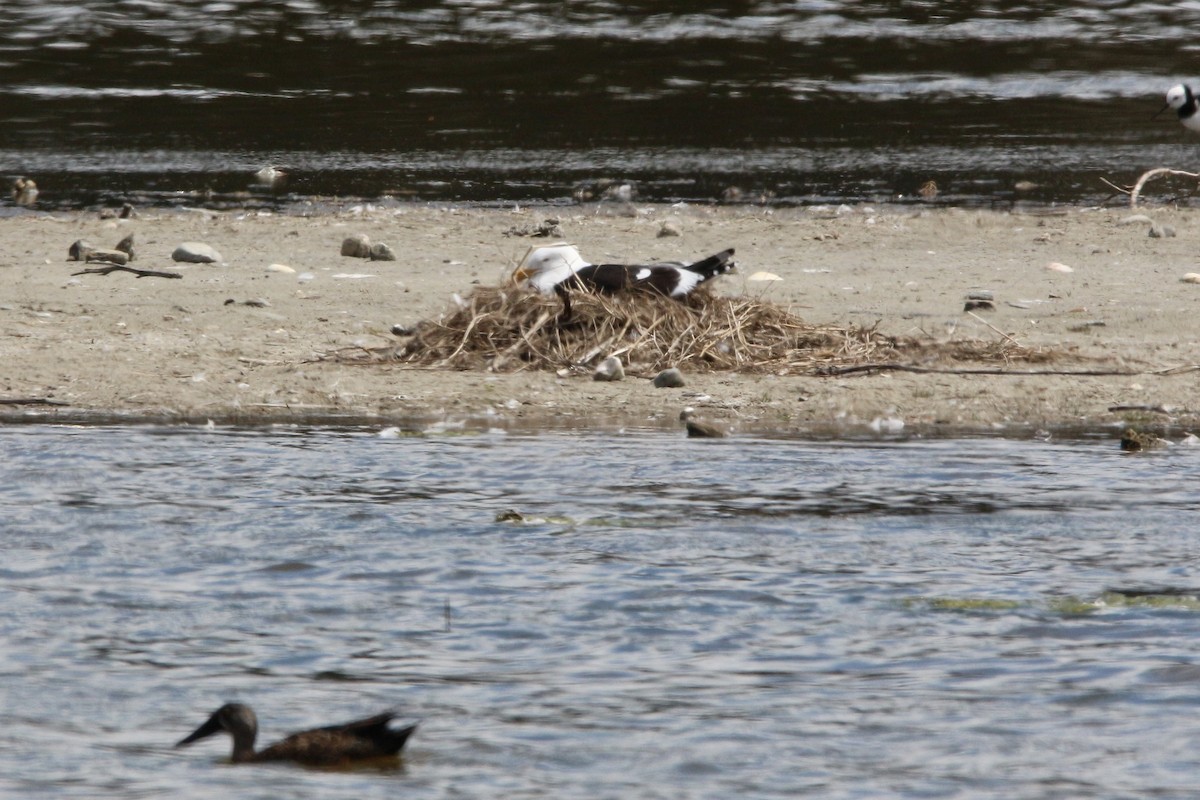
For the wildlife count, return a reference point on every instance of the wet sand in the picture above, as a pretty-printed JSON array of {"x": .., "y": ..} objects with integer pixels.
[{"x": 118, "y": 347}]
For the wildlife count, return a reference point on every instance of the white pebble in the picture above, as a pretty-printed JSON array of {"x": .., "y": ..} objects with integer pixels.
[
  {"x": 284, "y": 268},
  {"x": 1191, "y": 277},
  {"x": 1055, "y": 266}
]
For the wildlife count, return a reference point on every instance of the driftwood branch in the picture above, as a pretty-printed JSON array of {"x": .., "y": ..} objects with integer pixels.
[
  {"x": 141, "y": 273},
  {"x": 1135, "y": 191},
  {"x": 30, "y": 401},
  {"x": 834, "y": 371}
]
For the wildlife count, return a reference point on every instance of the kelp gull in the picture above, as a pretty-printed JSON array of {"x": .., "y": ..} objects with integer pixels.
[{"x": 555, "y": 268}]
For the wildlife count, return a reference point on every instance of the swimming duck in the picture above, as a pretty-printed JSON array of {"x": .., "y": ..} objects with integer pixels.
[{"x": 335, "y": 745}]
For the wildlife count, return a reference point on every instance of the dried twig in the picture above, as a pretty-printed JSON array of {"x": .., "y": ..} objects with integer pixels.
[{"x": 141, "y": 273}]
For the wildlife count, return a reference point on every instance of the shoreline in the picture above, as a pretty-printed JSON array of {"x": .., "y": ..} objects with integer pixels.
[{"x": 118, "y": 348}]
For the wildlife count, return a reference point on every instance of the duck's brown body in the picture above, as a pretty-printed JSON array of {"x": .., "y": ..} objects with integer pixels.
[{"x": 363, "y": 739}]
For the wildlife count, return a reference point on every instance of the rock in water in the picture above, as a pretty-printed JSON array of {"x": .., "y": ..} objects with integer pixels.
[
  {"x": 610, "y": 369},
  {"x": 357, "y": 246},
  {"x": 196, "y": 253}
]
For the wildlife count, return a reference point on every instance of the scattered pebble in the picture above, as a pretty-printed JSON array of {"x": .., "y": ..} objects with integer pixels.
[
  {"x": 196, "y": 253},
  {"x": 403, "y": 330},
  {"x": 119, "y": 257},
  {"x": 670, "y": 378},
  {"x": 610, "y": 369},
  {"x": 764, "y": 276},
  {"x": 669, "y": 228},
  {"x": 282, "y": 268},
  {"x": 1055, "y": 266},
  {"x": 979, "y": 305},
  {"x": 1161, "y": 232},
  {"x": 126, "y": 246},
  {"x": 1136, "y": 219},
  {"x": 357, "y": 246},
  {"x": 381, "y": 252},
  {"x": 1191, "y": 277},
  {"x": 547, "y": 228},
  {"x": 24, "y": 192},
  {"x": 78, "y": 251}
]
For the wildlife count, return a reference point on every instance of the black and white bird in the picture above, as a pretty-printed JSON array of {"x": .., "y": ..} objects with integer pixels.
[
  {"x": 1180, "y": 98},
  {"x": 557, "y": 267}
]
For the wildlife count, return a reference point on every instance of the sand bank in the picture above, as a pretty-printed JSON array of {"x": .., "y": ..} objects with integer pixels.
[{"x": 153, "y": 349}]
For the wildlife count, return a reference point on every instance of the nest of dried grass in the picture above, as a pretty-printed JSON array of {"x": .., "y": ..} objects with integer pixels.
[{"x": 509, "y": 329}]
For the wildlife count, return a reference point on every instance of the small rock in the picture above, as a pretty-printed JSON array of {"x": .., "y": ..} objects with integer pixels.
[
  {"x": 282, "y": 268},
  {"x": 610, "y": 369},
  {"x": 196, "y": 253},
  {"x": 24, "y": 192},
  {"x": 1132, "y": 441},
  {"x": 979, "y": 305},
  {"x": 126, "y": 246},
  {"x": 357, "y": 246},
  {"x": 669, "y": 228},
  {"x": 1054, "y": 266},
  {"x": 127, "y": 212},
  {"x": 764, "y": 276},
  {"x": 79, "y": 250},
  {"x": 1161, "y": 232},
  {"x": 119, "y": 257},
  {"x": 669, "y": 379},
  {"x": 403, "y": 330},
  {"x": 381, "y": 252},
  {"x": 1191, "y": 277}
]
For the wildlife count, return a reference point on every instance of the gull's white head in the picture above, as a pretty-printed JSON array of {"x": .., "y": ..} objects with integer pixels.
[
  {"x": 1178, "y": 96},
  {"x": 544, "y": 267}
]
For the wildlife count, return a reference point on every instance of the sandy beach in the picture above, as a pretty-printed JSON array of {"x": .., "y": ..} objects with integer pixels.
[{"x": 118, "y": 347}]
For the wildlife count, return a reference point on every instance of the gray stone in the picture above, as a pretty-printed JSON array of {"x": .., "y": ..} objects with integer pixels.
[
  {"x": 610, "y": 369},
  {"x": 196, "y": 253},
  {"x": 357, "y": 246},
  {"x": 668, "y": 379},
  {"x": 381, "y": 252},
  {"x": 78, "y": 251},
  {"x": 1161, "y": 232}
]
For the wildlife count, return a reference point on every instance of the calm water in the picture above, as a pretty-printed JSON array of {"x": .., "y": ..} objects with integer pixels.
[
  {"x": 177, "y": 102},
  {"x": 673, "y": 619}
]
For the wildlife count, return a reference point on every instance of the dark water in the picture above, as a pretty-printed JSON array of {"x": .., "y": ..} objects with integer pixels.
[
  {"x": 177, "y": 102},
  {"x": 672, "y": 619}
]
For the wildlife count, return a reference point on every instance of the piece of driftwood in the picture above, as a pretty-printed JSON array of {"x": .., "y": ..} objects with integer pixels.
[
  {"x": 834, "y": 371},
  {"x": 141, "y": 273},
  {"x": 30, "y": 401}
]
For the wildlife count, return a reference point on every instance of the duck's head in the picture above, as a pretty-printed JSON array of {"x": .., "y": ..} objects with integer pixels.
[{"x": 235, "y": 719}]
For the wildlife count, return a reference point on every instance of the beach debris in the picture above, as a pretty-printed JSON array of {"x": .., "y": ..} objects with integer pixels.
[
  {"x": 1025, "y": 186},
  {"x": 670, "y": 378},
  {"x": 254, "y": 302},
  {"x": 141, "y": 273},
  {"x": 196, "y": 253},
  {"x": 669, "y": 228},
  {"x": 1191, "y": 277},
  {"x": 701, "y": 429},
  {"x": 928, "y": 190},
  {"x": 403, "y": 330},
  {"x": 270, "y": 177},
  {"x": 1086, "y": 325},
  {"x": 24, "y": 192},
  {"x": 980, "y": 301},
  {"x": 1055, "y": 266},
  {"x": 764, "y": 276},
  {"x": 281, "y": 268},
  {"x": 545, "y": 229},
  {"x": 127, "y": 211},
  {"x": 1161, "y": 232},
  {"x": 126, "y": 246},
  {"x": 357, "y": 245},
  {"x": 381, "y": 252},
  {"x": 1133, "y": 441},
  {"x": 610, "y": 369},
  {"x": 107, "y": 256},
  {"x": 79, "y": 249},
  {"x": 889, "y": 424}
]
